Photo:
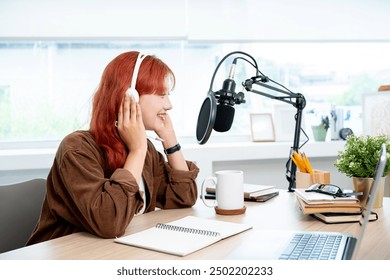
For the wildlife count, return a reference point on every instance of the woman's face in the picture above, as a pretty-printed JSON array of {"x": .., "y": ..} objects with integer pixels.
[{"x": 154, "y": 109}]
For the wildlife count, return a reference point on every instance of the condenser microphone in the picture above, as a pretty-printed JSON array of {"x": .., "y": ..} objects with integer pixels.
[
  {"x": 225, "y": 109},
  {"x": 224, "y": 118},
  {"x": 217, "y": 111}
]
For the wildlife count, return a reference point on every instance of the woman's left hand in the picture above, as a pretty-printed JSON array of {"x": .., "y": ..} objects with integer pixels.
[{"x": 165, "y": 128}]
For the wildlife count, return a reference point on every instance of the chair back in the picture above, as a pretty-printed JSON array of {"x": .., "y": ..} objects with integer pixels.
[{"x": 20, "y": 207}]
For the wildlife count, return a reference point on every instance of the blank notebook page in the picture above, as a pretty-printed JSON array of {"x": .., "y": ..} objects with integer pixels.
[{"x": 183, "y": 236}]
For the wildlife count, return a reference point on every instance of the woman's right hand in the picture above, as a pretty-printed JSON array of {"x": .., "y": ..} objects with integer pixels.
[{"x": 131, "y": 126}]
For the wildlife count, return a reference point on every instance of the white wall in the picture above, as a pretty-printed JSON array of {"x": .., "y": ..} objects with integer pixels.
[
  {"x": 198, "y": 20},
  {"x": 286, "y": 20},
  {"x": 94, "y": 19}
]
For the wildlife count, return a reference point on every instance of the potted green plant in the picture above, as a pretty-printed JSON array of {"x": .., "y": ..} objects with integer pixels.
[{"x": 358, "y": 160}]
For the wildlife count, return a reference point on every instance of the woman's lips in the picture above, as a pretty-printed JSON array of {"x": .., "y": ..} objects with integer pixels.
[{"x": 162, "y": 116}]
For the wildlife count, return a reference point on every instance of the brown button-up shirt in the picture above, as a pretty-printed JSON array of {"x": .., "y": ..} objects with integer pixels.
[{"x": 80, "y": 197}]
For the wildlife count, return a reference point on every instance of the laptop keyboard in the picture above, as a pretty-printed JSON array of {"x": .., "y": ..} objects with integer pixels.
[{"x": 312, "y": 246}]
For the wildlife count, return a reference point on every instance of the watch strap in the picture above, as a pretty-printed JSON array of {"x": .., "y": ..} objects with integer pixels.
[{"x": 173, "y": 149}]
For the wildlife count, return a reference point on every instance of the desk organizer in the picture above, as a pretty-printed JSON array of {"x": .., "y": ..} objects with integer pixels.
[{"x": 304, "y": 180}]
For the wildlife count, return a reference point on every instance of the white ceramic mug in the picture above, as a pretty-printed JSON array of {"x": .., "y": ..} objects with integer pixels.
[{"x": 229, "y": 190}]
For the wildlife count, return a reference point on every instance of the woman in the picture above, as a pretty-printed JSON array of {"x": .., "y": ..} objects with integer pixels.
[{"x": 102, "y": 177}]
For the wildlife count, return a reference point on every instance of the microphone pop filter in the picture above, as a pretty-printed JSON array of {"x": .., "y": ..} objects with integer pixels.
[
  {"x": 224, "y": 118},
  {"x": 206, "y": 118}
]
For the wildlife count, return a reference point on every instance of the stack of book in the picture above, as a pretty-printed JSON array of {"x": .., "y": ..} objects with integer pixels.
[
  {"x": 330, "y": 209},
  {"x": 258, "y": 193}
]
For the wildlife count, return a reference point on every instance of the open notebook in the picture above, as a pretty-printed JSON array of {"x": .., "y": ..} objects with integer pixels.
[{"x": 183, "y": 236}]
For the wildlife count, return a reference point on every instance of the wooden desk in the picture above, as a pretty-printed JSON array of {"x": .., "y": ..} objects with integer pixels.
[{"x": 280, "y": 213}]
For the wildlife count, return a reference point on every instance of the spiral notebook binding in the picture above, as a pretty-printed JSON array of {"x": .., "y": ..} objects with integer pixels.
[{"x": 188, "y": 230}]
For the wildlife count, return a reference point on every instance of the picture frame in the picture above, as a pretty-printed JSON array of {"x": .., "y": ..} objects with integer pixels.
[
  {"x": 262, "y": 127},
  {"x": 376, "y": 113},
  {"x": 284, "y": 121}
]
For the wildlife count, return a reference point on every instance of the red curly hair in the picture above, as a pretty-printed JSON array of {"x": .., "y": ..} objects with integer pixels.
[{"x": 115, "y": 81}]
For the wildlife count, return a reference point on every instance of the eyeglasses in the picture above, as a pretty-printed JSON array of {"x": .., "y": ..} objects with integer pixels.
[{"x": 330, "y": 189}]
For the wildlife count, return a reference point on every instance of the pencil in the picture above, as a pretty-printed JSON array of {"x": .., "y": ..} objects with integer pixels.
[
  {"x": 297, "y": 159},
  {"x": 307, "y": 163}
]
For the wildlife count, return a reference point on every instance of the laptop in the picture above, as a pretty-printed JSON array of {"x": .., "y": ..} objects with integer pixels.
[{"x": 287, "y": 244}]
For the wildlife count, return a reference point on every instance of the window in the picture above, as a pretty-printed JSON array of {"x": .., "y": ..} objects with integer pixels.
[{"x": 46, "y": 86}]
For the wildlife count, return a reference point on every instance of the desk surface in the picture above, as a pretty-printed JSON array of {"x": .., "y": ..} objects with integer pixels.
[{"x": 280, "y": 214}]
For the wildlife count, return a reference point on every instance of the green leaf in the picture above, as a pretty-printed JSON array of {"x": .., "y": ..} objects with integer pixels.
[{"x": 361, "y": 154}]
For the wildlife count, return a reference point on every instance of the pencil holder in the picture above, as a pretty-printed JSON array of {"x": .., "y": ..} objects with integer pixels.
[{"x": 304, "y": 180}]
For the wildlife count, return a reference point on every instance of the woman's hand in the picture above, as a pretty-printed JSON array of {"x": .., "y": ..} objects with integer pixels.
[
  {"x": 132, "y": 132},
  {"x": 130, "y": 125},
  {"x": 166, "y": 132},
  {"x": 164, "y": 128}
]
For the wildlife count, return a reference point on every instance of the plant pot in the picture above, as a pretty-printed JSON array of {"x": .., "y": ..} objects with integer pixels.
[
  {"x": 364, "y": 185},
  {"x": 319, "y": 132}
]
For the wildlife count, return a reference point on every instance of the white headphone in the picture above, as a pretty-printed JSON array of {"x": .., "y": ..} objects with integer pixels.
[{"x": 132, "y": 91}]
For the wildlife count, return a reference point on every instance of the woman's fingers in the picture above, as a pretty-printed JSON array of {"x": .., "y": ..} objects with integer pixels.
[
  {"x": 130, "y": 125},
  {"x": 126, "y": 109},
  {"x": 139, "y": 114},
  {"x": 133, "y": 109},
  {"x": 129, "y": 110}
]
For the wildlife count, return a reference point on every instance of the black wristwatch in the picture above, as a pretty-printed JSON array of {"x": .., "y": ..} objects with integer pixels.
[{"x": 173, "y": 149}]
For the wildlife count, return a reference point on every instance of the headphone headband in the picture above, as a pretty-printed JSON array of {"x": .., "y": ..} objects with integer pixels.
[{"x": 140, "y": 58}]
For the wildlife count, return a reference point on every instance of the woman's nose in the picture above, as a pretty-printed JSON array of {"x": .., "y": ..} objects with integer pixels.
[{"x": 167, "y": 104}]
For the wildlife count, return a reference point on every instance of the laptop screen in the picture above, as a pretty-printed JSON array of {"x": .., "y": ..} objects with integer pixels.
[{"x": 380, "y": 167}]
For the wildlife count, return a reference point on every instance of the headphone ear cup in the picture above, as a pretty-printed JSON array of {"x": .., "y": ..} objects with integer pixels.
[{"x": 133, "y": 92}]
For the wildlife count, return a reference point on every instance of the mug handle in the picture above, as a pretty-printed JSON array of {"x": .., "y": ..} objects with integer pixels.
[{"x": 203, "y": 191}]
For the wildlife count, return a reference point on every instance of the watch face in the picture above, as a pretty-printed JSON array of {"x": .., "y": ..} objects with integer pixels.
[{"x": 345, "y": 132}]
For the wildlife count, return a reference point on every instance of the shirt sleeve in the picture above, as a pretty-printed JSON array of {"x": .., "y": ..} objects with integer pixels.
[
  {"x": 182, "y": 188},
  {"x": 103, "y": 206},
  {"x": 176, "y": 188}
]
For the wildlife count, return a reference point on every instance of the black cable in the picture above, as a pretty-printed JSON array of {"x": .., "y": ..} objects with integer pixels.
[{"x": 224, "y": 58}]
